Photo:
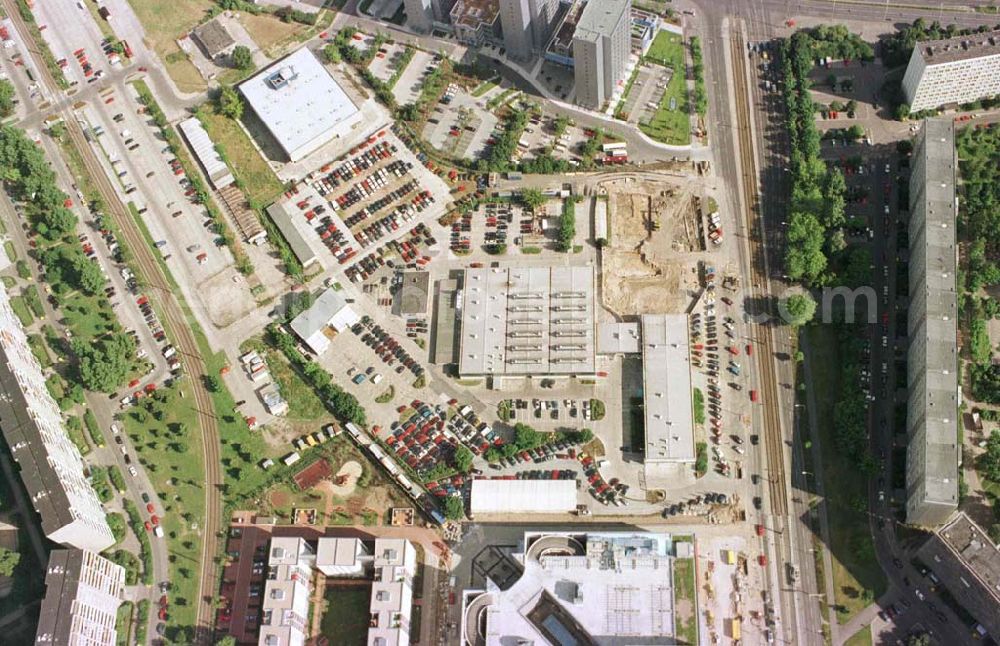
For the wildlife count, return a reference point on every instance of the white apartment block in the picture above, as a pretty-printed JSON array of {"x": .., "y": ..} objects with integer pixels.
[
  {"x": 50, "y": 464},
  {"x": 285, "y": 607},
  {"x": 82, "y": 594},
  {"x": 953, "y": 71},
  {"x": 602, "y": 43},
  {"x": 527, "y": 25},
  {"x": 392, "y": 564}
]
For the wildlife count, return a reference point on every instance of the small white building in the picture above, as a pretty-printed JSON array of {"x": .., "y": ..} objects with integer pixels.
[
  {"x": 328, "y": 315},
  {"x": 523, "y": 496},
  {"x": 341, "y": 557}
]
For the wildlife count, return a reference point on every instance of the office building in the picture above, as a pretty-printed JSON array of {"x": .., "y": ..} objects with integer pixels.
[
  {"x": 50, "y": 464},
  {"x": 953, "y": 71},
  {"x": 82, "y": 594},
  {"x": 528, "y": 322},
  {"x": 301, "y": 104},
  {"x": 590, "y": 589},
  {"x": 474, "y": 21},
  {"x": 601, "y": 48},
  {"x": 932, "y": 416},
  {"x": 527, "y": 26},
  {"x": 666, "y": 390}
]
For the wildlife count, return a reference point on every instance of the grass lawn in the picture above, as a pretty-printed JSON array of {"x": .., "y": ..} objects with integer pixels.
[
  {"x": 857, "y": 577},
  {"x": 167, "y": 439},
  {"x": 861, "y": 638},
  {"x": 38, "y": 349},
  {"x": 483, "y": 88},
  {"x": 268, "y": 31},
  {"x": 686, "y": 628},
  {"x": 164, "y": 22},
  {"x": 123, "y": 623},
  {"x": 8, "y": 247},
  {"x": 303, "y": 403},
  {"x": 670, "y": 126},
  {"x": 21, "y": 311},
  {"x": 260, "y": 182},
  {"x": 345, "y": 619}
]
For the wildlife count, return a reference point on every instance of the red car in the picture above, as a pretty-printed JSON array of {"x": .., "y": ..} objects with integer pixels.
[
  {"x": 150, "y": 508},
  {"x": 155, "y": 519},
  {"x": 749, "y": 349},
  {"x": 149, "y": 527}
]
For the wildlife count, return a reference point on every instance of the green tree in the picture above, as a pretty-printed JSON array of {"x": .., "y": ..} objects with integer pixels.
[
  {"x": 212, "y": 383},
  {"x": 8, "y": 561},
  {"x": 91, "y": 279},
  {"x": 454, "y": 508},
  {"x": 331, "y": 54},
  {"x": 230, "y": 103},
  {"x": 463, "y": 459},
  {"x": 242, "y": 58},
  {"x": 409, "y": 112},
  {"x": 919, "y": 639},
  {"x": 532, "y": 197},
  {"x": 799, "y": 308},
  {"x": 990, "y": 460},
  {"x": 7, "y": 96},
  {"x": 804, "y": 257},
  {"x": 902, "y": 111},
  {"x": 228, "y": 640}
]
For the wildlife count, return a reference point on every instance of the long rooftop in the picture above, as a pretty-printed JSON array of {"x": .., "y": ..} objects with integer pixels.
[
  {"x": 666, "y": 371},
  {"x": 960, "y": 48}
]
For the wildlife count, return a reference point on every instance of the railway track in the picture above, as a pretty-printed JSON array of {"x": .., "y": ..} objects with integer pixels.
[
  {"x": 157, "y": 283},
  {"x": 763, "y": 333}
]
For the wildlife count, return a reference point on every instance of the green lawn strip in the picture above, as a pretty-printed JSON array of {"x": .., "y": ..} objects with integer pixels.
[
  {"x": 123, "y": 623},
  {"x": 117, "y": 478},
  {"x": 628, "y": 88},
  {"x": 483, "y": 88},
  {"x": 21, "y": 311},
  {"x": 404, "y": 61},
  {"x": 93, "y": 429},
  {"x": 118, "y": 525},
  {"x": 666, "y": 125},
  {"x": 41, "y": 352},
  {"x": 8, "y": 247},
  {"x": 43, "y": 47},
  {"x": 141, "y": 619},
  {"x": 145, "y": 549},
  {"x": 259, "y": 183},
  {"x": 74, "y": 428},
  {"x": 857, "y": 577},
  {"x": 684, "y": 588},
  {"x": 345, "y": 619},
  {"x": 101, "y": 483},
  {"x": 861, "y": 638},
  {"x": 34, "y": 301}
]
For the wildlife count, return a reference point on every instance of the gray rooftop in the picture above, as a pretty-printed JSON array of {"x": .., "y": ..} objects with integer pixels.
[
  {"x": 319, "y": 315},
  {"x": 214, "y": 37},
  {"x": 960, "y": 48},
  {"x": 414, "y": 292},
  {"x": 933, "y": 353},
  {"x": 282, "y": 218},
  {"x": 666, "y": 376},
  {"x": 206, "y": 152},
  {"x": 600, "y": 17}
]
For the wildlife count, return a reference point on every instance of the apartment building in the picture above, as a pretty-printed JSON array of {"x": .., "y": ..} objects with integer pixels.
[
  {"x": 953, "y": 71},
  {"x": 285, "y": 607},
  {"x": 50, "y": 464},
  {"x": 932, "y": 416},
  {"x": 82, "y": 594},
  {"x": 601, "y": 48},
  {"x": 419, "y": 14},
  {"x": 395, "y": 566},
  {"x": 527, "y": 26}
]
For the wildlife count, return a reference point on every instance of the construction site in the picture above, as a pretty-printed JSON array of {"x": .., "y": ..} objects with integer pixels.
[{"x": 655, "y": 240}]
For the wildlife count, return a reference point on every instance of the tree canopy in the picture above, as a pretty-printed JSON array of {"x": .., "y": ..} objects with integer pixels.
[
  {"x": 800, "y": 309},
  {"x": 242, "y": 58}
]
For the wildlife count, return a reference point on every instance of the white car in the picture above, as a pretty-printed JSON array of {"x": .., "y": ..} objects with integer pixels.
[{"x": 132, "y": 471}]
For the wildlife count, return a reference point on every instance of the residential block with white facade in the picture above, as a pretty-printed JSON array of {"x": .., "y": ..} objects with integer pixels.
[
  {"x": 953, "y": 71},
  {"x": 82, "y": 593}
]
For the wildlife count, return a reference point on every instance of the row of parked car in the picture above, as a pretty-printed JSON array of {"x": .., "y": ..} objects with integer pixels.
[
  {"x": 537, "y": 474},
  {"x": 475, "y": 433},
  {"x": 377, "y": 205},
  {"x": 419, "y": 440},
  {"x": 331, "y": 178},
  {"x": 373, "y": 183},
  {"x": 385, "y": 346},
  {"x": 393, "y": 220}
]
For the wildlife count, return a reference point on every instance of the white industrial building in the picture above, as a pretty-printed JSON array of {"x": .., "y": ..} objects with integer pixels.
[
  {"x": 301, "y": 104},
  {"x": 522, "y": 497},
  {"x": 953, "y": 71},
  {"x": 328, "y": 315},
  {"x": 205, "y": 151},
  {"x": 667, "y": 395},
  {"x": 528, "y": 321},
  {"x": 50, "y": 465},
  {"x": 82, "y": 593},
  {"x": 586, "y": 588}
]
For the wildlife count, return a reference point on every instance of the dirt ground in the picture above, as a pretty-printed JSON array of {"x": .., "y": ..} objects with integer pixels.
[{"x": 649, "y": 264}]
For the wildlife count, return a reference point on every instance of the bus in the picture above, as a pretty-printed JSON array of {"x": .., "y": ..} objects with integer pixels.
[{"x": 618, "y": 145}]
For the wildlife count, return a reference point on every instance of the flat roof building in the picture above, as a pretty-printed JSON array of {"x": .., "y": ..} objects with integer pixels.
[
  {"x": 953, "y": 71},
  {"x": 588, "y": 589},
  {"x": 528, "y": 321},
  {"x": 414, "y": 292},
  {"x": 301, "y": 104},
  {"x": 667, "y": 395},
  {"x": 82, "y": 593},
  {"x": 208, "y": 156},
  {"x": 965, "y": 560},
  {"x": 527, "y": 26},
  {"x": 601, "y": 48},
  {"x": 932, "y": 416},
  {"x": 51, "y": 467},
  {"x": 395, "y": 566},
  {"x": 282, "y": 219},
  {"x": 328, "y": 314},
  {"x": 285, "y": 606},
  {"x": 522, "y": 496},
  {"x": 474, "y": 21}
]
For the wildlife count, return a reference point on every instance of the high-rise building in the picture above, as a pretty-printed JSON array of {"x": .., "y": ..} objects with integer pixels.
[
  {"x": 527, "y": 26},
  {"x": 419, "y": 14},
  {"x": 601, "y": 47},
  {"x": 50, "y": 464},
  {"x": 82, "y": 594},
  {"x": 956, "y": 70},
  {"x": 932, "y": 415}
]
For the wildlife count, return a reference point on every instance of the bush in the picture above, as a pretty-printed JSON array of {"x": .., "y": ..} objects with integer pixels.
[
  {"x": 567, "y": 225},
  {"x": 454, "y": 508},
  {"x": 117, "y": 479},
  {"x": 117, "y": 524},
  {"x": 699, "y": 406}
]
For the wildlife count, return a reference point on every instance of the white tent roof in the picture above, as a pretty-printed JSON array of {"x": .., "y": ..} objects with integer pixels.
[{"x": 523, "y": 496}]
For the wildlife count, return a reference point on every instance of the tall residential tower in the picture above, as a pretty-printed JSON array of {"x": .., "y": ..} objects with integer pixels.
[
  {"x": 82, "y": 594},
  {"x": 601, "y": 47},
  {"x": 956, "y": 70},
  {"x": 527, "y": 26}
]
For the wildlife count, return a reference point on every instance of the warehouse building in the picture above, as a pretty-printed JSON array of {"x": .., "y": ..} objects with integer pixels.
[
  {"x": 667, "y": 396},
  {"x": 205, "y": 151},
  {"x": 51, "y": 467},
  {"x": 953, "y": 71},
  {"x": 932, "y": 415},
  {"x": 522, "y": 497},
  {"x": 329, "y": 315},
  {"x": 601, "y": 47},
  {"x": 282, "y": 218},
  {"x": 82, "y": 593},
  {"x": 528, "y": 322},
  {"x": 589, "y": 589},
  {"x": 301, "y": 104}
]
